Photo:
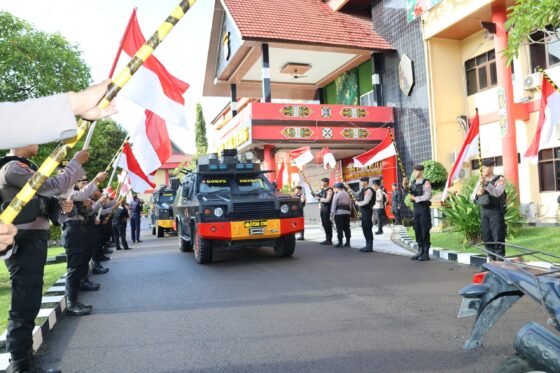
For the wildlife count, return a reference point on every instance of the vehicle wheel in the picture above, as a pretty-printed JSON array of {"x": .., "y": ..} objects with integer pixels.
[
  {"x": 202, "y": 249},
  {"x": 516, "y": 364},
  {"x": 153, "y": 230},
  {"x": 285, "y": 246},
  {"x": 184, "y": 245},
  {"x": 159, "y": 232}
]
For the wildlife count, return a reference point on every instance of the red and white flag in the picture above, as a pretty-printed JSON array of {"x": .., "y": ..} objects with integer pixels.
[
  {"x": 328, "y": 158},
  {"x": 549, "y": 120},
  {"x": 152, "y": 86},
  {"x": 382, "y": 151},
  {"x": 124, "y": 182},
  {"x": 301, "y": 156},
  {"x": 469, "y": 149},
  {"x": 138, "y": 180},
  {"x": 280, "y": 176},
  {"x": 110, "y": 192},
  {"x": 150, "y": 142}
]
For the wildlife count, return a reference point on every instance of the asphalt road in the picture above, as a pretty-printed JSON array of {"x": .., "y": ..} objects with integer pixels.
[{"x": 324, "y": 310}]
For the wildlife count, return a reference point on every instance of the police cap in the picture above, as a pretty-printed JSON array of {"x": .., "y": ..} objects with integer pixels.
[
  {"x": 418, "y": 167},
  {"x": 488, "y": 163},
  {"x": 339, "y": 185},
  {"x": 365, "y": 178},
  {"x": 325, "y": 179},
  {"x": 298, "y": 187}
]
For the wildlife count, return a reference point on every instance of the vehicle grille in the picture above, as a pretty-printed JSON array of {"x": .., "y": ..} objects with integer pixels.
[
  {"x": 255, "y": 210},
  {"x": 165, "y": 215}
]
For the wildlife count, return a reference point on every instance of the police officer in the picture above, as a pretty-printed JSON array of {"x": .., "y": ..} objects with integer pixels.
[
  {"x": 120, "y": 216},
  {"x": 489, "y": 194},
  {"x": 421, "y": 193},
  {"x": 98, "y": 230},
  {"x": 365, "y": 201},
  {"x": 298, "y": 193},
  {"x": 340, "y": 214},
  {"x": 325, "y": 197},
  {"x": 135, "y": 216},
  {"x": 26, "y": 264},
  {"x": 379, "y": 207},
  {"x": 397, "y": 199}
]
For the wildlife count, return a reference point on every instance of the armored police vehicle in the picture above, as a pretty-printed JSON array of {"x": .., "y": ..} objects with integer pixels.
[
  {"x": 227, "y": 203},
  {"x": 161, "y": 211}
]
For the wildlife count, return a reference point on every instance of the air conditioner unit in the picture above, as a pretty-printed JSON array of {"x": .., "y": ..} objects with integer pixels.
[{"x": 532, "y": 81}]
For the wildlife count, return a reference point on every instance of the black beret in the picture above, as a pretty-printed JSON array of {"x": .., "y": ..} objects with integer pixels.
[
  {"x": 365, "y": 178},
  {"x": 339, "y": 185},
  {"x": 488, "y": 162},
  {"x": 298, "y": 187},
  {"x": 325, "y": 179},
  {"x": 418, "y": 167}
]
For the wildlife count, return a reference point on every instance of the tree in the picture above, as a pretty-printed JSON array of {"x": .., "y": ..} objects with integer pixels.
[
  {"x": 200, "y": 132},
  {"x": 528, "y": 16},
  {"x": 35, "y": 63}
]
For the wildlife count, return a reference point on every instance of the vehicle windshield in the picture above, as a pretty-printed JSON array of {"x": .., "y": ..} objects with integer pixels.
[
  {"x": 166, "y": 197},
  {"x": 209, "y": 184},
  {"x": 246, "y": 183}
]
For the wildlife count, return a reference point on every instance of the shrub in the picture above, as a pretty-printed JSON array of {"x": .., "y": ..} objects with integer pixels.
[
  {"x": 435, "y": 173},
  {"x": 55, "y": 233},
  {"x": 460, "y": 214}
]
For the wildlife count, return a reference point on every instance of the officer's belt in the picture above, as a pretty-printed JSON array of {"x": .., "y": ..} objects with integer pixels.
[
  {"x": 74, "y": 222},
  {"x": 32, "y": 234},
  {"x": 423, "y": 203},
  {"x": 343, "y": 207},
  {"x": 491, "y": 207}
]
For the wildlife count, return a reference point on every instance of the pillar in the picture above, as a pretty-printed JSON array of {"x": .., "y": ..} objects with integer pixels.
[
  {"x": 269, "y": 162},
  {"x": 233, "y": 104},
  {"x": 376, "y": 68},
  {"x": 267, "y": 96},
  {"x": 509, "y": 136}
]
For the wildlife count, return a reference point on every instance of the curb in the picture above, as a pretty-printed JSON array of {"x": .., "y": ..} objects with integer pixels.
[
  {"x": 53, "y": 305},
  {"x": 447, "y": 255},
  {"x": 56, "y": 259}
]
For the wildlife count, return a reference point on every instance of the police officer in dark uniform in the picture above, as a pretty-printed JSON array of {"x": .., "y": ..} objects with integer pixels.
[
  {"x": 489, "y": 194},
  {"x": 421, "y": 193},
  {"x": 98, "y": 230},
  {"x": 120, "y": 216},
  {"x": 325, "y": 198},
  {"x": 26, "y": 264},
  {"x": 366, "y": 200},
  {"x": 299, "y": 193}
]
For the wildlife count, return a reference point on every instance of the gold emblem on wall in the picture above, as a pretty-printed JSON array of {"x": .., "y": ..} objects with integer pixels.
[
  {"x": 355, "y": 133},
  {"x": 354, "y": 112},
  {"x": 296, "y": 111},
  {"x": 297, "y": 132}
]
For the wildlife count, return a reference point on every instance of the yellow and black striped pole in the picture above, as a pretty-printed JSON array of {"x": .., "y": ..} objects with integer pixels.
[
  {"x": 401, "y": 166},
  {"x": 51, "y": 163},
  {"x": 545, "y": 75},
  {"x": 306, "y": 181},
  {"x": 479, "y": 153}
]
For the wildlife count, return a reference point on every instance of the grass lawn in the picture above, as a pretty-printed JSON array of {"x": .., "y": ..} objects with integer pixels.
[
  {"x": 546, "y": 239},
  {"x": 52, "y": 274}
]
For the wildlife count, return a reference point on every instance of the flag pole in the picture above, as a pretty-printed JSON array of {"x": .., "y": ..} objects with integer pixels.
[
  {"x": 119, "y": 51},
  {"x": 401, "y": 166},
  {"x": 479, "y": 152},
  {"x": 545, "y": 75},
  {"x": 306, "y": 181},
  {"x": 51, "y": 163}
]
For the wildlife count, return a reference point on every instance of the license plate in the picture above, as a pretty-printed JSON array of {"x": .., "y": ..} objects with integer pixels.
[
  {"x": 469, "y": 307},
  {"x": 255, "y": 223},
  {"x": 256, "y": 231}
]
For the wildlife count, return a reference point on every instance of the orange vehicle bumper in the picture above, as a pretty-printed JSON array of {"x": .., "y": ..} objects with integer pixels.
[{"x": 250, "y": 229}]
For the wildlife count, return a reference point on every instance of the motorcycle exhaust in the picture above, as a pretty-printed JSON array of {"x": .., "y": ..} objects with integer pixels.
[{"x": 539, "y": 346}]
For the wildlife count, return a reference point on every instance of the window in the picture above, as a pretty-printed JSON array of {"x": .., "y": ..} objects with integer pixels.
[
  {"x": 481, "y": 72},
  {"x": 368, "y": 99},
  {"x": 549, "y": 170},
  {"x": 544, "y": 55}
]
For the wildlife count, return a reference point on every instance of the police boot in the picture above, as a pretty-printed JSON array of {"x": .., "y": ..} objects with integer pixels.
[
  {"x": 98, "y": 269},
  {"x": 347, "y": 243},
  {"x": 27, "y": 365},
  {"x": 77, "y": 309},
  {"x": 301, "y": 238},
  {"x": 425, "y": 254},
  {"x": 368, "y": 248},
  {"x": 87, "y": 285},
  {"x": 339, "y": 244},
  {"x": 107, "y": 251},
  {"x": 417, "y": 256}
]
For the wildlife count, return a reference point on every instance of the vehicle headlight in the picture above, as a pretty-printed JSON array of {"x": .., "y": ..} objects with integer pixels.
[
  {"x": 284, "y": 209},
  {"x": 218, "y": 212}
]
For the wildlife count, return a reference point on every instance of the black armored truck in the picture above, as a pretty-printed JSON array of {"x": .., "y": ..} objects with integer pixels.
[{"x": 229, "y": 203}]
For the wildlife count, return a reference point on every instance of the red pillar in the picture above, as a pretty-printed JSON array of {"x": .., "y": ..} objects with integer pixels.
[
  {"x": 269, "y": 162},
  {"x": 509, "y": 139}
]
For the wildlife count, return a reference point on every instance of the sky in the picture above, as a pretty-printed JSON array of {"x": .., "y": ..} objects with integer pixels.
[{"x": 97, "y": 26}]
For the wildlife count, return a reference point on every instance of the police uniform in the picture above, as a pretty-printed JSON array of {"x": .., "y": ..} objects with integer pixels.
[
  {"x": 26, "y": 265},
  {"x": 119, "y": 227},
  {"x": 301, "y": 195},
  {"x": 340, "y": 213},
  {"x": 365, "y": 201},
  {"x": 492, "y": 211},
  {"x": 98, "y": 234},
  {"x": 422, "y": 191},
  {"x": 325, "y": 199}
]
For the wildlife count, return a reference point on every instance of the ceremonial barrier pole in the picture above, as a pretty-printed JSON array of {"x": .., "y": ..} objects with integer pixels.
[
  {"x": 51, "y": 163},
  {"x": 306, "y": 181}
]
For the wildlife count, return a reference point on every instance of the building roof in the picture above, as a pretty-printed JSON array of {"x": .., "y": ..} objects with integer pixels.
[{"x": 303, "y": 21}]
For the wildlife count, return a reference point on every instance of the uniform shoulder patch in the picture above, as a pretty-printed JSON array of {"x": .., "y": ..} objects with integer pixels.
[
  {"x": 24, "y": 166},
  {"x": 427, "y": 184},
  {"x": 501, "y": 180}
]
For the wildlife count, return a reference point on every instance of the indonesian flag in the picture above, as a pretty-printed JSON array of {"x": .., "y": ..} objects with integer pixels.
[
  {"x": 110, "y": 192},
  {"x": 469, "y": 149},
  {"x": 138, "y": 179},
  {"x": 280, "y": 176},
  {"x": 125, "y": 183},
  {"x": 382, "y": 151},
  {"x": 549, "y": 119},
  {"x": 301, "y": 156},
  {"x": 328, "y": 158},
  {"x": 152, "y": 86},
  {"x": 150, "y": 143}
]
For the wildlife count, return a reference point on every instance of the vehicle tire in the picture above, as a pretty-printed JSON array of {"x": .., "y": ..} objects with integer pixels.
[
  {"x": 202, "y": 249},
  {"x": 184, "y": 246},
  {"x": 285, "y": 246},
  {"x": 159, "y": 231},
  {"x": 516, "y": 364},
  {"x": 153, "y": 230}
]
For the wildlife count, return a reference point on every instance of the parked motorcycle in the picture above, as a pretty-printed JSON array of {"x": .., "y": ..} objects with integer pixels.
[{"x": 498, "y": 287}]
